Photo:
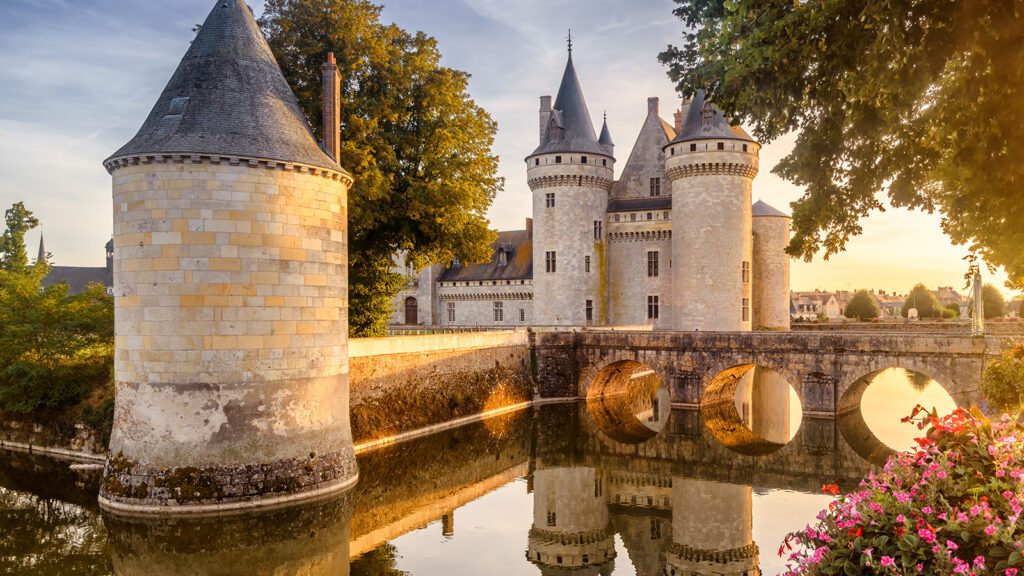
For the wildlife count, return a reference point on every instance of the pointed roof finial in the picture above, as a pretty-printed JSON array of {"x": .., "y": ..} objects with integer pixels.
[
  {"x": 42, "y": 250},
  {"x": 570, "y": 41}
]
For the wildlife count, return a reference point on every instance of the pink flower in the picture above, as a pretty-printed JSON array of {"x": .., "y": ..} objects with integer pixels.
[
  {"x": 888, "y": 561},
  {"x": 926, "y": 535},
  {"x": 1011, "y": 572},
  {"x": 979, "y": 562},
  {"x": 990, "y": 529}
]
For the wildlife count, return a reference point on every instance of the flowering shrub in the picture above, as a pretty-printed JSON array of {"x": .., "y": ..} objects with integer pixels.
[{"x": 953, "y": 506}]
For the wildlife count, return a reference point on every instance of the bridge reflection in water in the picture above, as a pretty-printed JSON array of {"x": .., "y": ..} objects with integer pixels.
[{"x": 680, "y": 502}]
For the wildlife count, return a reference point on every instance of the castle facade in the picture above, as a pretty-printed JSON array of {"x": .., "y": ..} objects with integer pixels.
[{"x": 674, "y": 243}]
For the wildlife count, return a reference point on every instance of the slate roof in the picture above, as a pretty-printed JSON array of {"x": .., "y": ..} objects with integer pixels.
[
  {"x": 573, "y": 117},
  {"x": 78, "y": 278},
  {"x": 228, "y": 97},
  {"x": 517, "y": 243},
  {"x": 693, "y": 126},
  {"x": 606, "y": 135},
  {"x": 761, "y": 208},
  {"x": 638, "y": 204}
]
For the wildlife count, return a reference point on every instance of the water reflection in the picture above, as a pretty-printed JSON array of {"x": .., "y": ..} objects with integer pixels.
[
  {"x": 752, "y": 409},
  {"x": 629, "y": 402},
  {"x": 680, "y": 503},
  {"x": 312, "y": 540},
  {"x": 871, "y": 410}
]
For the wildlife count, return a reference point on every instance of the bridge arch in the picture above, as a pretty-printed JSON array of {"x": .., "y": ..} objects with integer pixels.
[
  {"x": 609, "y": 361},
  {"x": 628, "y": 401},
  {"x": 850, "y": 413},
  {"x": 747, "y": 408}
]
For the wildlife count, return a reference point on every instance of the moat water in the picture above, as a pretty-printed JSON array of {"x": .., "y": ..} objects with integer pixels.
[{"x": 551, "y": 490}]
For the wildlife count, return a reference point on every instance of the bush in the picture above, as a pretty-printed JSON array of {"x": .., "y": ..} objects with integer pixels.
[
  {"x": 1002, "y": 382},
  {"x": 863, "y": 306},
  {"x": 950, "y": 507},
  {"x": 948, "y": 314}
]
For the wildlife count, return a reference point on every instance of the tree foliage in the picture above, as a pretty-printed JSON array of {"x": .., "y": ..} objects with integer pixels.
[
  {"x": 417, "y": 144},
  {"x": 863, "y": 306},
  {"x": 1002, "y": 382},
  {"x": 993, "y": 301},
  {"x": 908, "y": 99},
  {"x": 18, "y": 221},
  {"x": 924, "y": 300}
]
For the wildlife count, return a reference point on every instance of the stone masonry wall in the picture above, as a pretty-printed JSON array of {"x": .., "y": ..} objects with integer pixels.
[
  {"x": 404, "y": 383},
  {"x": 771, "y": 273},
  {"x": 474, "y": 305}
]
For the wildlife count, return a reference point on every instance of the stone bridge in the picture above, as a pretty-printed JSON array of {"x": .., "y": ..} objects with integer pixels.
[{"x": 829, "y": 371}]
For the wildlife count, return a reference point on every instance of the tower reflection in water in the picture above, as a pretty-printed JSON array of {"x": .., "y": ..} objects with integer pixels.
[{"x": 311, "y": 540}]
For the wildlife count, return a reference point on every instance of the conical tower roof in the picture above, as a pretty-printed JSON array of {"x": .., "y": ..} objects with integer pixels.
[
  {"x": 694, "y": 127},
  {"x": 606, "y": 135},
  {"x": 42, "y": 249},
  {"x": 228, "y": 97},
  {"x": 763, "y": 209},
  {"x": 573, "y": 117}
]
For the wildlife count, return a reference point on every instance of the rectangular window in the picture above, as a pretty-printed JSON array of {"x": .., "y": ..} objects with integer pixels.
[
  {"x": 522, "y": 315},
  {"x": 693, "y": 147},
  {"x": 721, "y": 145},
  {"x": 451, "y": 312},
  {"x": 632, "y": 217},
  {"x": 655, "y": 186},
  {"x": 549, "y": 262},
  {"x": 652, "y": 264},
  {"x": 653, "y": 308},
  {"x": 549, "y": 200},
  {"x": 499, "y": 312},
  {"x": 604, "y": 161},
  {"x": 552, "y": 519},
  {"x": 558, "y": 159},
  {"x": 536, "y": 162},
  {"x": 650, "y": 216},
  {"x": 655, "y": 529},
  {"x": 598, "y": 230},
  {"x": 665, "y": 215},
  {"x": 744, "y": 147},
  {"x": 586, "y": 264},
  {"x": 590, "y": 310},
  {"x": 617, "y": 217},
  {"x": 746, "y": 309},
  {"x": 583, "y": 159},
  {"x": 746, "y": 272}
]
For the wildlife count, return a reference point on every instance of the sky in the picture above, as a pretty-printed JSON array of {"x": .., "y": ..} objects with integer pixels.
[{"x": 78, "y": 77}]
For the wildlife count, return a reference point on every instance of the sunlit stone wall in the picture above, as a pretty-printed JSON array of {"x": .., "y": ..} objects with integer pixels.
[
  {"x": 231, "y": 331},
  {"x": 771, "y": 273}
]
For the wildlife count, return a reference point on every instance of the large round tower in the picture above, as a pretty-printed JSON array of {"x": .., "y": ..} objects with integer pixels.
[
  {"x": 570, "y": 174},
  {"x": 722, "y": 547},
  {"x": 771, "y": 268},
  {"x": 230, "y": 286},
  {"x": 571, "y": 530},
  {"x": 711, "y": 166}
]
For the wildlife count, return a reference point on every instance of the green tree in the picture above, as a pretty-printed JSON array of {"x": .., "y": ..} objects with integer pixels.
[
  {"x": 898, "y": 98},
  {"x": 1002, "y": 382},
  {"x": 924, "y": 300},
  {"x": 993, "y": 301},
  {"x": 863, "y": 306},
  {"x": 954, "y": 310},
  {"x": 417, "y": 144},
  {"x": 18, "y": 220},
  {"x": 55, "y": 348}
]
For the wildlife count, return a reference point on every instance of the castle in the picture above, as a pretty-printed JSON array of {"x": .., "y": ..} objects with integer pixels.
[{"x": 675, "y": 243}]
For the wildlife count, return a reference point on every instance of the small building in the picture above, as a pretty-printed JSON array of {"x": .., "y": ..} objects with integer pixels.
[{"x": 78, "y": 278}]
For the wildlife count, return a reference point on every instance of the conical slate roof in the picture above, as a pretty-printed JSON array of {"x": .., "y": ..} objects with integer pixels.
[
  {"x": 761, "y": 208},
  {"x": 228, "y": 97},
  {"x": 693, "y": 126},
  {"x": 573, "y": 116},
  {"x": 606, "y": 135}
]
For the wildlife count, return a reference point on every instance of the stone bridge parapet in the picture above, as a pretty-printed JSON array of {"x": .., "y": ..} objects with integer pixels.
[{"x": 823, "y": 368}]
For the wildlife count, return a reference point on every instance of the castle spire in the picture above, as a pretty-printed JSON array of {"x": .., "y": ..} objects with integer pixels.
[
  {"x": 42, "y": 250},
  {"x": 575, "y": 127},
  {"x": 570, "y": 42},
  {"x": 606, "y": 136}
]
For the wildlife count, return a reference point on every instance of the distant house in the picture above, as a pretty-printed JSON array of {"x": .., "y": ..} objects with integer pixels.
[
  {"x": 947, "y": 295},
  {"x": 809, "y": 305},
  {"x": 79, "y": 277},
  {"x": 891, "y": 304}
]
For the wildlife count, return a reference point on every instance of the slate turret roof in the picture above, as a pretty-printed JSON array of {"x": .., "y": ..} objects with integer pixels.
[
  {"x": 694, "y": 128},
  {"x": 761, "y": 208},
  {"x": 573, "y": 118},
  {"x": 228, "y": 97}
]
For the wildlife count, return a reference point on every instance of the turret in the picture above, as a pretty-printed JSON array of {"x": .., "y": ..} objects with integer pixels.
[
  {"x": 711, "y": 166},
  {"x": 606, "y": 138},
  {"x": 570, "y": 174},
  {"x": 230, "y": 291},
  {"x": 771, "y": 268}
]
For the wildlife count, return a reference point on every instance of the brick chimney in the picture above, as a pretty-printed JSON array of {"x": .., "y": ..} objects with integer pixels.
[
  {"x": 679, "y": 121},
  {"x": 529, "y": 227},
  {"x": 332, "y": 106},
  {"x": 652, "y": 106}
]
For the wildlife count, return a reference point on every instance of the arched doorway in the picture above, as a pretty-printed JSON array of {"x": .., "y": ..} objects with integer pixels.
[
  {"x": 751, "y": 409},
  {"x": 412, "y": 312}
]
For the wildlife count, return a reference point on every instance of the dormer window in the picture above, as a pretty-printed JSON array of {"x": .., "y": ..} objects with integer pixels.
[
  {"x": 502, "y": 257},
  {"x": 707, "y": 115},
  {"x": 177, "y": 106}
]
